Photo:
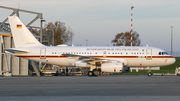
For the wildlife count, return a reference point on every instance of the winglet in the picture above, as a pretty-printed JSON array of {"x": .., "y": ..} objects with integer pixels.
[{"x": 21, "y": 35}]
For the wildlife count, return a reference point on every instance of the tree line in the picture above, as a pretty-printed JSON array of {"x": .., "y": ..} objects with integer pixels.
[
  {"x": 62, "y": 34},
  {"x": 124, "y": 39}
]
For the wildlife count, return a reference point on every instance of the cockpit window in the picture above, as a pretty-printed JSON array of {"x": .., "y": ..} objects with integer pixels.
[
  {"x": 163, "y": 53},
  {"x": 160, "y": 53}
]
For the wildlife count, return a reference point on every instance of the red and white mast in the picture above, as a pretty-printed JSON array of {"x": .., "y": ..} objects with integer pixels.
[{"x": 131, "y": 22}]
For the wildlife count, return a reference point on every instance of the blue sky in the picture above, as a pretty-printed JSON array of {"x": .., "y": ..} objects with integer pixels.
[{"x": 100, "y": 20}]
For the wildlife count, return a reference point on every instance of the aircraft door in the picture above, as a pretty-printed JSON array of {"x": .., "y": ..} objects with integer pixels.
[
  {"x": 148, "y": 53},
  {"x": 43, "y": 53},
  {"x": 104, "y": 53}
]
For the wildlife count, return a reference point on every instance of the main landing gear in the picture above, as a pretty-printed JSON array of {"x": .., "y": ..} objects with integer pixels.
[
  {"x": 93, "y": 70},
  {"x": 93, "y": 73}
]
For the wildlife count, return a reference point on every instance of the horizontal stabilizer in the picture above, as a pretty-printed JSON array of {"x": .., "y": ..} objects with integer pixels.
[{"x": 13, "y": 51}]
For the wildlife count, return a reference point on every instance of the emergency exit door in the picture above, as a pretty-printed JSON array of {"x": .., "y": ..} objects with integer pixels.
[{"x": 43, "y": 53}]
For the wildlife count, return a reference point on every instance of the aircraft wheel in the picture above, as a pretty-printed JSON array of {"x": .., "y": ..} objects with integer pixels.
[
  {"x": 96, "y": 73},
  {"x": 90, "y": 74},
  {"x": 149, "y": 74}
]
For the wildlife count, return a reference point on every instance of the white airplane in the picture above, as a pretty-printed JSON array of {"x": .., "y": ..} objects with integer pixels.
[{"x": 105, "y": 59}]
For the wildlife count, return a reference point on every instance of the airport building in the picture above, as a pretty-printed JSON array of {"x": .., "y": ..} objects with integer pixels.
[{"x": 10, "y": 65}]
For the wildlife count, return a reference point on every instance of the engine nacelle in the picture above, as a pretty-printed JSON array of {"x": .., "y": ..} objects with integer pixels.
[{"x": 112, "y": 67}]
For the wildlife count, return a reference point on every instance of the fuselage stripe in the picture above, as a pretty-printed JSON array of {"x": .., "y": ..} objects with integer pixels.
[{"x": 97, "y": 57}]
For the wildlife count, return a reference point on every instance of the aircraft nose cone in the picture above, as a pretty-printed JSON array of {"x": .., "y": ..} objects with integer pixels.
[
  {"x": 170, "y": 61},
  {"x": 173, "y": 60}
]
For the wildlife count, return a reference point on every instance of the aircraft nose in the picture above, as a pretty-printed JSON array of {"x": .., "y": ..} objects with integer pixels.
[{"x": 173, "y": 60}]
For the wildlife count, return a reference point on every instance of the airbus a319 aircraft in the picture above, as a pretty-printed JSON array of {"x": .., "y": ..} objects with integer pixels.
[{"x": 105, "y": 59}]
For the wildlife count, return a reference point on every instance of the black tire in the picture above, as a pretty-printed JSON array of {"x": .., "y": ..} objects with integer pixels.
[
  {"x": 90, "y": 74},
  {"x": 149, "y": 74}
]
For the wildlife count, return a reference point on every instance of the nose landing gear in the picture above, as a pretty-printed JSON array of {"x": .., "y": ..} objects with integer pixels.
[{"x": 149, "y": 72}]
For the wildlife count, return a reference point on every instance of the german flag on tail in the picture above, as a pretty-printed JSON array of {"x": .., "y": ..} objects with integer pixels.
[{"x": 19, "y": 26}]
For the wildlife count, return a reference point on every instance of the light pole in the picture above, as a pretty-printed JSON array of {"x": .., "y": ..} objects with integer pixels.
[
  {"x": 171, "y": 40},
  {"x": 41, "y": 36},
  {"x": 86, "y": 42},
  {"x": 41, "y": 32},
  {"x": 131, "y": 23}
]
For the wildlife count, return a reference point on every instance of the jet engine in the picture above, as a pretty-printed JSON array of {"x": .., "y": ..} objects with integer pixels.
[{"x": 112, "y": 67}]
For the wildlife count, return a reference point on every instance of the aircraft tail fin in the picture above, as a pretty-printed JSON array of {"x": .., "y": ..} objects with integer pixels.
[{"x": 21, "y": 35}]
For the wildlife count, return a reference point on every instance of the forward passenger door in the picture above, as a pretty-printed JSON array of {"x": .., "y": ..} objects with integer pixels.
[{"x": 148, "y": 53}]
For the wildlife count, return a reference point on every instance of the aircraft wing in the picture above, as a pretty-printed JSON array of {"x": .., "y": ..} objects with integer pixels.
[
  {"x": 87, "y": 59},
  {"x": 14, "y": 51}
]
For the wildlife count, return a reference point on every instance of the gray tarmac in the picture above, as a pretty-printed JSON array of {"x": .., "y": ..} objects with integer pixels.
[{"x": 80, "y": 88}]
